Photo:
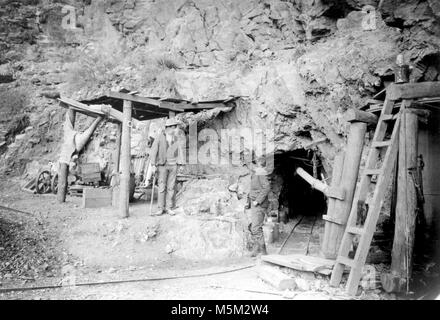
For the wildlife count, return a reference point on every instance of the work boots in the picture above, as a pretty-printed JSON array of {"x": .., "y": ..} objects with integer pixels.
[{"x": 158, "y": 213}]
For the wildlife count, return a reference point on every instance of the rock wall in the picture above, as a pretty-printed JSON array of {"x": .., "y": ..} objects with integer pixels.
[{"x": 298, "y": 65}]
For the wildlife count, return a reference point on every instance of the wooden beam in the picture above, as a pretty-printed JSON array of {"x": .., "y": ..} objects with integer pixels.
[
  {"x": 406, "y": 207},
  {"x": 98, "y": 110},
  {"x": 331, "y": 192},
  {"x": 85, "y": 136},
  {"x": 158, "y": 112},
  {"x": 81, "y": 107},
  {"x": 64, "y": 167},
  {"x": 118, "y": 149},
  {"x": 125, "y": 160},
  {"x": 413, "y": 90},
  {"x": 333, "y": 232},
  {"x": 133, "y": 98},
  {"x": 354, "y": 115},
  {"x": 152, "y": 102},
  {"x": 202, "y": 106}
]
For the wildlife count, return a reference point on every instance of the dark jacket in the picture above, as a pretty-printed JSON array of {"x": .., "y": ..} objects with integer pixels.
[
  {"x": 260, "y": 187},
  {"x": 159, "y": 150}
]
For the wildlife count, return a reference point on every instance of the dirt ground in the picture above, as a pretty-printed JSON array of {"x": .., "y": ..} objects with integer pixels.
[{"x": 48, "y": 244}]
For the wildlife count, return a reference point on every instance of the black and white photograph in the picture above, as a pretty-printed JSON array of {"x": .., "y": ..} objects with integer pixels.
[{"x": 243, "y": 152}]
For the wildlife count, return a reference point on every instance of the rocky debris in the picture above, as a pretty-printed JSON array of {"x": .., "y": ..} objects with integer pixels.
[
  {"x": 149, "y": 234},
  {"x": 206, "y": 238},
  {"x": 26, "y": 251},
  {"x": 207, "y": 196}
]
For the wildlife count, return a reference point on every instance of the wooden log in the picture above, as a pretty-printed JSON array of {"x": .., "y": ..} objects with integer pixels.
[
  {"x": 329, "y": 191},
  {"x": 105, "y": 111},
  {"x": 85, "y": 136},
  {"x": 355, "y": 115},
  {"x": 64, "y": 167},
  {"x": 276, "y": 278},
  {"x": 403, "y": 245},
  {"x": 334, "y": 232},
  {"x": 315, "y": 183},
  {"x": 338, "y": 166},
  {"x": 413, "y": 90},
  {"x": 125, "y": 161}
]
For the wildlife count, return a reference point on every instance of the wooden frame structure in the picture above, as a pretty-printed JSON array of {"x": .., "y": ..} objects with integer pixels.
[
  {"x": 127, "y": 108},
  {"x": 419, "y": 97}
]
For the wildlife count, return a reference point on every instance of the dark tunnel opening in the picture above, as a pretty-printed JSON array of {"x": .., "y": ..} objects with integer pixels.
[{"x": 296, "y": 196}]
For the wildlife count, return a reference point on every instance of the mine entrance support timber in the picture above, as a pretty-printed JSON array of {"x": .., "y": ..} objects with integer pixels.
[
  {"x": 406, "y": 208},
  {"x": 129, "y": 109},
  {"x": 341, "y": 191},
  {"x": 346, "y": 170},
  {"x": 426, "y": 93}
]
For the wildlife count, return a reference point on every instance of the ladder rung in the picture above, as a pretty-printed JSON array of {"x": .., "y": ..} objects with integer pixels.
[
  {"x": 355, "y": 230},
  {"x": 381, "y": 144},
  {"x": 345, "y": 261},
  {"x": 389, "y": 117},
  {"x": 372, "y": 172}
]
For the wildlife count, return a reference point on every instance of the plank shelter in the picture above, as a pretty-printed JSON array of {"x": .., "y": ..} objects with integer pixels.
[{"x": 127, "y": 108}]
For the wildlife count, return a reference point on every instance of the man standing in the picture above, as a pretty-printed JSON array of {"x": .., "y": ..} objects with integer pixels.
[
  {"x": 258, "y": 196},
  {"x": 167, "y": 154}
]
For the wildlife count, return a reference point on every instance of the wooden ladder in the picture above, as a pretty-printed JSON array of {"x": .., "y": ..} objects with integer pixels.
[{"x": 367, "y": 184}]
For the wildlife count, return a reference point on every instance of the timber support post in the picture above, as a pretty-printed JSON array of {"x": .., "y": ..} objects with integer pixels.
[
  {"x": 117, "y": 161},
  {"x": 339, "y": 210},
  {"x": 406, "y": 207},
  {"x": 125, "y": 160},
  {"x": 64, "y": 167}
]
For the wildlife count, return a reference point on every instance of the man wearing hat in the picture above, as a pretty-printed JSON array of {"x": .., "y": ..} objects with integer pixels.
[
  {"x": 259, "y": 202},
  {"x": 167, "y": 153}
]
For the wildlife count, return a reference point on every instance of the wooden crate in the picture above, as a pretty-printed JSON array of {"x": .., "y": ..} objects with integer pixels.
[{"x": 97, "y": 197}]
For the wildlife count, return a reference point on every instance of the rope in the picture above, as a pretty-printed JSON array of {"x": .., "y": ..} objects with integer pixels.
[
  {"x": 14, "y": 210},
  {"x": 87, "y": 284}
]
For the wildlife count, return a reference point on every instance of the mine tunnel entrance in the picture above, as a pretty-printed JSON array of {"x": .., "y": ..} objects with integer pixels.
[{"x": 296, "y": 196}]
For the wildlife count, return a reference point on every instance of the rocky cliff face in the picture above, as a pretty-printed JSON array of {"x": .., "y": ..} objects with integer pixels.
[{"x": 298, "y": 64}]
